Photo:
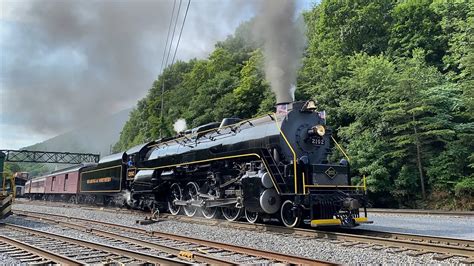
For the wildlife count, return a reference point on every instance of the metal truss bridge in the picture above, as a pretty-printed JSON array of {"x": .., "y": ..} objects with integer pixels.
[{"x": 26, "y": 156}]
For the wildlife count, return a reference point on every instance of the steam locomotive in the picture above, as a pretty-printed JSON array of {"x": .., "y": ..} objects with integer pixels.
[{"x": 274, "y": 166}]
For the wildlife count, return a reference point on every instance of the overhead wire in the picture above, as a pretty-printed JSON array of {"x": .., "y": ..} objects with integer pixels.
[
  {"x": 167, "y": 37},
  {"x": 167, "y": 57},
  {"x": 181, "y": 32},
  {"x": 172, "y": 35},
  {"x": 175, "y": 51}
]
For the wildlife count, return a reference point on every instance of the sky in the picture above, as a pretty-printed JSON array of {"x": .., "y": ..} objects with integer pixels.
[{"x": 64, "y": 62}]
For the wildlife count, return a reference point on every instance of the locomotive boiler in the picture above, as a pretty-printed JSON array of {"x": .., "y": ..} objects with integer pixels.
[{"x": 274, "y": 166}]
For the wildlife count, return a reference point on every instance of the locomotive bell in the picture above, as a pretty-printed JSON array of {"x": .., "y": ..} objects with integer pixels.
[{"x": 309, "y": 106}]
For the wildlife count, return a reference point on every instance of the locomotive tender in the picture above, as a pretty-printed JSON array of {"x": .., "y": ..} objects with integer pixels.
[{"x": 274, "y": 166}]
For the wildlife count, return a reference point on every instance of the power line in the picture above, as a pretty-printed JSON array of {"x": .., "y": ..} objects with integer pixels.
[
  {"x": 181, "y": 32},
  {"x": 174, "y": 54},
  {"x": 174, "y": 30},
  {"x": 167, "y": 37},
  {"x": 163, "y": 59}
]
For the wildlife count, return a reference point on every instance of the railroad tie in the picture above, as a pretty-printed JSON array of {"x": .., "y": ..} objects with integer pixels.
[
  {"x": 378, "y": 247},
  {"x": 441, "y": 257},
  {"x": 15, "y": 252},
  {"x": 418, "y": 253},
  {"x": 38, "y": 260},
  {"x": 467, "y": 261},
  {"x": 398, "y": 250},
  {"x": 27, "y": 257},
  {"x": 350, "y": 244}
]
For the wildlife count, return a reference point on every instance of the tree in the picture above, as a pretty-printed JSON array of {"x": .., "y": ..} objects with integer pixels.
[
  {"x": 337, "y": 30},
  {"x": 369, "y": 79},
  {"x": 456, "y": 30},
  {"x": 417, "y": 26},
  {"x": 416, "y": 127}
]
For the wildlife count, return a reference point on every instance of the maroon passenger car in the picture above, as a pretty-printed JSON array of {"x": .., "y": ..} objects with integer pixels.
[{"x": 62, "y": 184}]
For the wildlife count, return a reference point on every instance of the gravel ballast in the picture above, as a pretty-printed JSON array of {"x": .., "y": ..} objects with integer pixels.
[
  {"x": 321, "y": 249},
  {"x": 434, "y": 225}
]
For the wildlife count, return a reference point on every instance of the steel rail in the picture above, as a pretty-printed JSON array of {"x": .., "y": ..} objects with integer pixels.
[
  {"x": 421, "y": 212},
  {"x": 113, "y": 250},
  {"x": 269, "y": 255},
  {"x": 167, "y": 249},
  {"x": 42, "y": 253},
  {"x": 370, "y": 210},
  {"x": 443, "y": 245}
]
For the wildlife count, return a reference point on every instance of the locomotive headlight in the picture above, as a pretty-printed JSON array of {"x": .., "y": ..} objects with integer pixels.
[
  {"x": 317, "y": 130},
  {"x": 320, "y": 130}
]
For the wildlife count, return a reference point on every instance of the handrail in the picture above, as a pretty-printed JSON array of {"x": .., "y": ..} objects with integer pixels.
[
  {"x": 363, "y": 186},
  {"x": 212, "y": 129},
  {"x": 341, "y": 149}
]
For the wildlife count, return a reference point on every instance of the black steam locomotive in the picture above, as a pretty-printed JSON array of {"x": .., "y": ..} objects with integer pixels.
[{"x": 274, "y": 166}]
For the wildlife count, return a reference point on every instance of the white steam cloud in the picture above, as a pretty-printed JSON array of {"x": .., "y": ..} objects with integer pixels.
[{"x": 180, "y": 125}]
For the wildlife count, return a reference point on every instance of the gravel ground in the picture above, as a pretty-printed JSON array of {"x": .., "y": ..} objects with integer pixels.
[
  {"x": 314, "y": 248},
  {"x": 435, "y": 225}
]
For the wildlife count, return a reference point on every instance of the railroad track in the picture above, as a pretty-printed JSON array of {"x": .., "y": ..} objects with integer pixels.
[
  {"x": 25, "y": 253},
  {"x": 370, "y": 210},
  {"x": 421, "y": 212},
  {"x": 59, "y": 249},
  {"x": 191, "y": 249},
  {"x": 415, "y": 245}
]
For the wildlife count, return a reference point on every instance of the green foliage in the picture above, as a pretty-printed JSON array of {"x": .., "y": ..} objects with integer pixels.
[
  {"x": 10, "y": 168},
  {"x": 395, "y": 78},
  {"x": 457, "y": 29},
  {"x": 416, "y": 25},
  {"x": 32, "y": 168},
  {"x": 465, "y": 188}
]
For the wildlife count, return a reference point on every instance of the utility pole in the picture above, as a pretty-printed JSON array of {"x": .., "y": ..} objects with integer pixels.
[{"x": 418, "y": 158}]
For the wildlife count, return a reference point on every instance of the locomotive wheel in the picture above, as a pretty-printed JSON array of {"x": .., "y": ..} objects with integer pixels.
[
  {"x": 209, "y": 213},
  {"x": 252, "y": 217},
  {"x": 73, "y": 199},
  {"x": 175, "y": 194},
  {"x": 231, "y": 213},
  {"x": 192, "y": 191},
  {"x": 287, "y": 215}
]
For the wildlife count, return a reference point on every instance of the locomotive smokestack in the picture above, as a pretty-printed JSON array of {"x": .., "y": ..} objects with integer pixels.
[{"x": 282, "y": 108}]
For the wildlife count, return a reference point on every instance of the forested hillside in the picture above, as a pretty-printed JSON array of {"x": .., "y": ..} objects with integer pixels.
[
  {"x": 96, "y": 135},
  {"x": 396, "y": 80}
]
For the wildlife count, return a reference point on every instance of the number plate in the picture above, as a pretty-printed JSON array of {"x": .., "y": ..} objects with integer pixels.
[
  {"x": 317, "y": 141},
  {"x": 131, "y": 173}
]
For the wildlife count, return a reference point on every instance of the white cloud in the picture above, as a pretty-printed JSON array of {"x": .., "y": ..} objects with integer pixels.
[{"x": 18, "y": 136}]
